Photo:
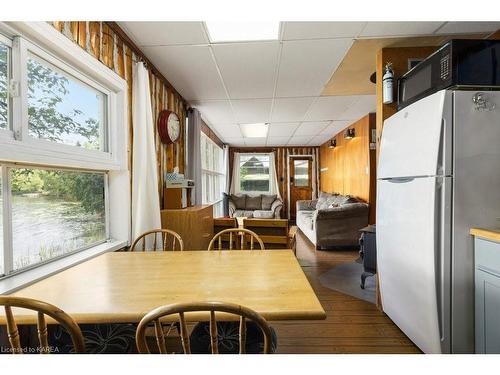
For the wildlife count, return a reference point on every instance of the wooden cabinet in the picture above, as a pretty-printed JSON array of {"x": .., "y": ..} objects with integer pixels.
[
  {"x": 194, "y": 224},
  {"x": 487, "y": 295}
]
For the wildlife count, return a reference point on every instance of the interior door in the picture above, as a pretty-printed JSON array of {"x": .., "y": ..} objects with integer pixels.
[{"x": 300, "y": 181}]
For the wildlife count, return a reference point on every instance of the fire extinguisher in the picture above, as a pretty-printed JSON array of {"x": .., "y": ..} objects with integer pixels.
[{"x": 388, "y": 84}]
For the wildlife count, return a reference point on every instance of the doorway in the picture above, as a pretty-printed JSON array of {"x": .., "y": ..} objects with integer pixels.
[{"x": 300, "y": 183}]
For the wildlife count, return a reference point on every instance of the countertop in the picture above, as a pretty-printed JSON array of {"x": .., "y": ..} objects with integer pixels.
[{"x": 488, "y": 234}]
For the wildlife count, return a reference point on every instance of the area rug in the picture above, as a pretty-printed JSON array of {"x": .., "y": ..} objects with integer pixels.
[{"x": 346, "y": 278}]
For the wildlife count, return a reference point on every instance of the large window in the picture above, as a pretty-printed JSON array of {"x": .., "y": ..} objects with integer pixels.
[
  {"x": 52, "y": 213},
  {"x": 254, "y": 173},
  {"x": 61, "y": 141},
  {"x": 64, "y": 109},
  {"x": 212, "y": 175}
]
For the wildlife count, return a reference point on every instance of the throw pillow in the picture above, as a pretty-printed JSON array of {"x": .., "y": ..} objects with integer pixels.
[
  {"x": 239, "y": 201},
  {"x": 267, "y": 201},
  {"x": 254, "y": 203},
  {"x": 325, "y": 203}
]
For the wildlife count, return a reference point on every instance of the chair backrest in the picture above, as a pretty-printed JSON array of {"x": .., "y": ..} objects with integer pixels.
[
  {"x": 43, "y": 309},
  {"x": 157, "y": 314},
  {"x": 167, "y": 241},
  {"x": 238, "y": 239}
]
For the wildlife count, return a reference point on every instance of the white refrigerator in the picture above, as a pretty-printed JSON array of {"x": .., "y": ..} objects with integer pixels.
[{"x": 438, "y": 176}]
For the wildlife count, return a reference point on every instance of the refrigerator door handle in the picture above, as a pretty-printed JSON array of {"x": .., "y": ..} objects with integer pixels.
[
  {"x": 400, "y": 180},
  {"x": 442, "y": 238}
]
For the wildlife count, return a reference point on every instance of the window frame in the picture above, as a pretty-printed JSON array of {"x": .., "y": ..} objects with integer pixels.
[
  {"x": 62, "y": 68},
  {"x": 253, "y": 192},
  {"x": 19, "y": 150},
  {"x": 8, "y": 252},
  {"x": 8, "y": 133},
  {"x": 218, "y": 176}
]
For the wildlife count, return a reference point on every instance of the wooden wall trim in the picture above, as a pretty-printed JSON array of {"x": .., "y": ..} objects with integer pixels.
[
  {"x": 126, "y": 39},
  {"x": 205, "y": 128}
]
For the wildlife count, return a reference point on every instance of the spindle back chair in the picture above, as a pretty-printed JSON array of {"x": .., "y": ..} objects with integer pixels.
[
  {"x": 42, "y": 308},
  {"x": 181, "y": 309},
  {"x": 236, "y": 241},
  {"x": 167, "y": 237}
]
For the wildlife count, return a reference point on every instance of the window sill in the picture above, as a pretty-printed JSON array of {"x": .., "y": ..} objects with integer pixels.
[{"x": 12, "y": 283}]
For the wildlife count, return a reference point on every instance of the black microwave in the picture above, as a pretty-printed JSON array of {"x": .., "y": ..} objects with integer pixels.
[{"x": 460, "y": 63}]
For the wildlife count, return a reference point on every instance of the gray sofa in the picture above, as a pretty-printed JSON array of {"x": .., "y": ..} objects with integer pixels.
[
  {"x": 262, "y": 206},
  {"x": 332, "y": 220}
]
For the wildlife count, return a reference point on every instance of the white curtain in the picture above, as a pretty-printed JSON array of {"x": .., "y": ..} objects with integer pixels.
[
  {"x": 235, "y": 178},
  {"x": 273, "y": 176},
  {"x": 194, "y": 153},
  {"x": 227, "y": 185},
  {"x": 145, "y": 196}
]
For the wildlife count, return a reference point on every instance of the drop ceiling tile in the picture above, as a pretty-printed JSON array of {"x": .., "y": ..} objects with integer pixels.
[
  {"x": 190, "y": 69},
  {"x": 329, "y": 108},
  {"x": 307, "y": 65},
  {"x": 290, "y": 109},
  {"x": 248, "y": 111},
  {"x": 318, "y": 140},
  {"x": 468, "y": 27},
  {"x": 215, "y": 111},
  {"x": 299, "y": 140},
  {"x": 255, "y": 141},
  {"x": 165, "y": 33},
  {"x": 248, "y": 69},
  {"x": 282, "y": 129},
  {"x": 277, "y": 141},
  {"x": 386, "y": 29},
  {"x": 227, "y": 130},
  {"x": 335, "y": 127},
  {"x": 311, "y": 128},
  {"x": 321, "y": 30},
  {"x": 359, "y": 108}
]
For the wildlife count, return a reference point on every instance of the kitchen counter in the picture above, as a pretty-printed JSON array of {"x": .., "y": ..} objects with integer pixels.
[{"x": 487, "y": 234}]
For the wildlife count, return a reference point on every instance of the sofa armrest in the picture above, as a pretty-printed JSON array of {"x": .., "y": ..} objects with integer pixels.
[
  {"x": 309, "y": 205},
  {"x": 276, "y": 208},
  {"x": 232, "y": 208},
  {"x": 344, "y": 211}
]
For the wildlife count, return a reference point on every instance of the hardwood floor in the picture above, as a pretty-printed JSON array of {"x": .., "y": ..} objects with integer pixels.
[{"x": 352, "y": 325}]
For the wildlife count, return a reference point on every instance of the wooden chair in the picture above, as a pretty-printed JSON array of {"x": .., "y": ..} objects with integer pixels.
[
  {"x": 157, "y": 314},
  {"x": 164, "y": 235},
  {"x": 233, "y": 240},
  {"x": 43, "y": 309}
]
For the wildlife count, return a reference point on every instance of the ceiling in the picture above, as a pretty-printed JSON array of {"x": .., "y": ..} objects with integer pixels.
[{"x": 288, "y": 83}]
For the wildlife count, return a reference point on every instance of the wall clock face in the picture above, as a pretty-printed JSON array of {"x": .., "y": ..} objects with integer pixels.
[
  {"x": 173, "y": 127},
  {"x": 169, "y": 127}
]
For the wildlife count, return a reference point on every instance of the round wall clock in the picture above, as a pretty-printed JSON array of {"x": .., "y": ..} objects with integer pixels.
[{"x": 169, "y": 127}]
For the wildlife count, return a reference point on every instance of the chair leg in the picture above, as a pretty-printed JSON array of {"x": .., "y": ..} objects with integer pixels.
[{"x": 364, "y": 275}]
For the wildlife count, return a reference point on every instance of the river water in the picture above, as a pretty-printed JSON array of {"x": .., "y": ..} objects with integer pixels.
[{"x": 45, "y": 227}]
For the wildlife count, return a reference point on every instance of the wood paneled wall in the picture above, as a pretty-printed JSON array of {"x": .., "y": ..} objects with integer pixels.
[
  {"x": 110, "y": 45},
  {"x": 282, "y": 154},
  {"x": 350, "y": 168}
]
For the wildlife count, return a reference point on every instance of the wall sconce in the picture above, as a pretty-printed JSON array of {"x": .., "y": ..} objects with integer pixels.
[
  {"x": 350, "y": 133},
  {"x": 333, "y": 144}
]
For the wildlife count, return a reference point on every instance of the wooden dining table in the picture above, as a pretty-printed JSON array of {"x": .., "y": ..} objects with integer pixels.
[{"x": 121, "y": 287}]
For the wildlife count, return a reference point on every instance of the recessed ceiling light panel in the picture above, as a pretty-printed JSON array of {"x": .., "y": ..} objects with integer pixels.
[
  {"x": 254, "y": 130},
  {"x": 242, "y": 31}
]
